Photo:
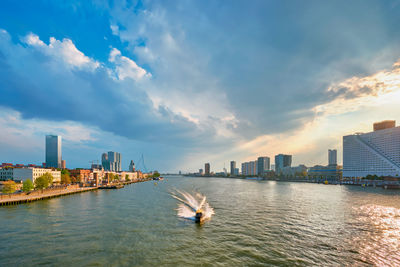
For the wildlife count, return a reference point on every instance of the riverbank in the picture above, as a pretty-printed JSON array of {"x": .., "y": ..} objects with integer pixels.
[
  {"x": 385, "y": 184},
  {"x": 21, "y": 198},
  {"x": 11, "y": 199}
]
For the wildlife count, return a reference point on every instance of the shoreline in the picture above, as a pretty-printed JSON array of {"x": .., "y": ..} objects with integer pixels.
[
  {"x": 387, "y": 185},
  {"x": 22, "y": 198}
]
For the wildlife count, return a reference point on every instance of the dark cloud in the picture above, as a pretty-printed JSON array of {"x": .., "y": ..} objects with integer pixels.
[{"x": 272, "y": 60}]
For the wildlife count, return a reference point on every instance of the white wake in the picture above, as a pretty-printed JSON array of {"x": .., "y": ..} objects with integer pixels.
[{"x": 189, "y": 203}]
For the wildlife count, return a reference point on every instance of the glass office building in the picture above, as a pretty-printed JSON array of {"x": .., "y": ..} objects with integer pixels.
[{"x": 53, "y": 151}]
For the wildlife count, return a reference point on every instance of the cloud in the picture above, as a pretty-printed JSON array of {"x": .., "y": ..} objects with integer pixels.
[
  {"x": 126, "y": 67},
  {"x": 64, "y": 50},
  {"x": 356, "y": 92}
]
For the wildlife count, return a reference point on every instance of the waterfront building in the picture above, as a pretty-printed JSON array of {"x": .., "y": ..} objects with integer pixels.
[
  {"x": 132, "y": 176},
  {"x": 272, "y": 167},
  {"x": 6, "y": 173},
  {"x": 236, "y": 171},
  {"x": 63, "y": 164},
  {"x": 373, "y": 153},
  {"x": 298, "y": 171},
  {"x": 263, "y": 164},
  {"x": 282, "y": 161},
  {"x": 201, "y": 171},
  {"x": 330, "y": 172},
  {"x": 253, "y": 167},
  {"x": 233, "y": 167},
  {"x": 207, "y": 169},
  {"x": 53, "y": 151},
  {"x": 111, "y": 161},
  {"x": 83, "y": 174},
  {"x": 132, "y": 166},
  {"x": 249, "y": 168},
  {"x": 23, "y": 174},
  {"x": 332, "y": 157}
]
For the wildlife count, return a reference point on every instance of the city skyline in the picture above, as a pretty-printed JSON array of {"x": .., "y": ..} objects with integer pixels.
[{"x": 184, "y": 85}]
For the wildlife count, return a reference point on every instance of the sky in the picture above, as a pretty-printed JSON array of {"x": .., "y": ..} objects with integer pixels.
[{"x": 187, "y": 82}]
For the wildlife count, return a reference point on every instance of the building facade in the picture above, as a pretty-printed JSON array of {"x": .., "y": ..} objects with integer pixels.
[
  {"x": 83, "y": 174},
  {"x": 53, "y": 151},
  {"x": 330, "y": 172},
  {"x": 233, "y": 167},
  {"x": 23, "y": 174},
  {"x": 374, "y": 153},
  {"x": 282, "y": 161},
  {"x": 111, "y": 161},
  {"x": 207, "y": 169},
  {"x": 298, "y": 171},
  {"x": 332, "y": 157},
  {"x": 6, "y": 173},
  {"x": 263, "y": 165}
]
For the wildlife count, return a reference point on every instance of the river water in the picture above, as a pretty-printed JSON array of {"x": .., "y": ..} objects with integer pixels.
[{"x": 256, "y": 223}]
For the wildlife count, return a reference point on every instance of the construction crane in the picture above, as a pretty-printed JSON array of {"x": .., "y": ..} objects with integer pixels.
[{"x": 94, "y": 162}]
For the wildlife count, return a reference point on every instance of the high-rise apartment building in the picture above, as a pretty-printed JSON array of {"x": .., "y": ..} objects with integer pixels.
[
  {"x": 282, "y": 161},
  {"x": 233, "y": 167},
  {"x": 332, "y": 157},
  {"x": 111, "y": 161},
  {"x": 375, "y": 153},
  {"x": 207, "y": 169},
  {"x": 263, "y": 164},
  {"x": 53, "y": 151}
]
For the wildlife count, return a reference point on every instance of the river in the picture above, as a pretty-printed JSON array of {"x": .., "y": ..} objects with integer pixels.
[{"x": 255, "y": 223}]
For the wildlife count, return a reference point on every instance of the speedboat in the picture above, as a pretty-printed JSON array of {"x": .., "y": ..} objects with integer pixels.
[{"x": 198, "y": 218}]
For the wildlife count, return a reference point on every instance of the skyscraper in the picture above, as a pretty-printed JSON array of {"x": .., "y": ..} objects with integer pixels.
[
  {"x": 263, "y": 164},
  {"x": 332, "y": 157},
  {"x": 233, "y": 167},
  {"x": 281, "y": 161},
  {"x": 104, "y": 161},
  {"x": 374, "y": 153},
  {"x": 111, "y": 161},
  {"x": 53, "y": 151},
  {"x": 207, "y": 169}
]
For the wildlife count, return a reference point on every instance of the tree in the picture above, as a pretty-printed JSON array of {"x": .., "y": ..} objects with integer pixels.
[
  {"x": 116, "y": 177},
  {"x": 48, "y": 177},
  {"x": 27, "y": 185},
  {"x": 156, "y": 174},
  {"x": 65, "y": 171},
  {"x": 44, "y": 181},
  {"x": 41, "y": 182},
  {"x": 127, "y": 177},
  {"x": 65, "y": 178},
  {"x": 9, "y": 187}
]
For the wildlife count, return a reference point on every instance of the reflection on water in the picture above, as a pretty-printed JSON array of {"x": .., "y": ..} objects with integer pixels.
[{"x": 379, "y": 242}]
